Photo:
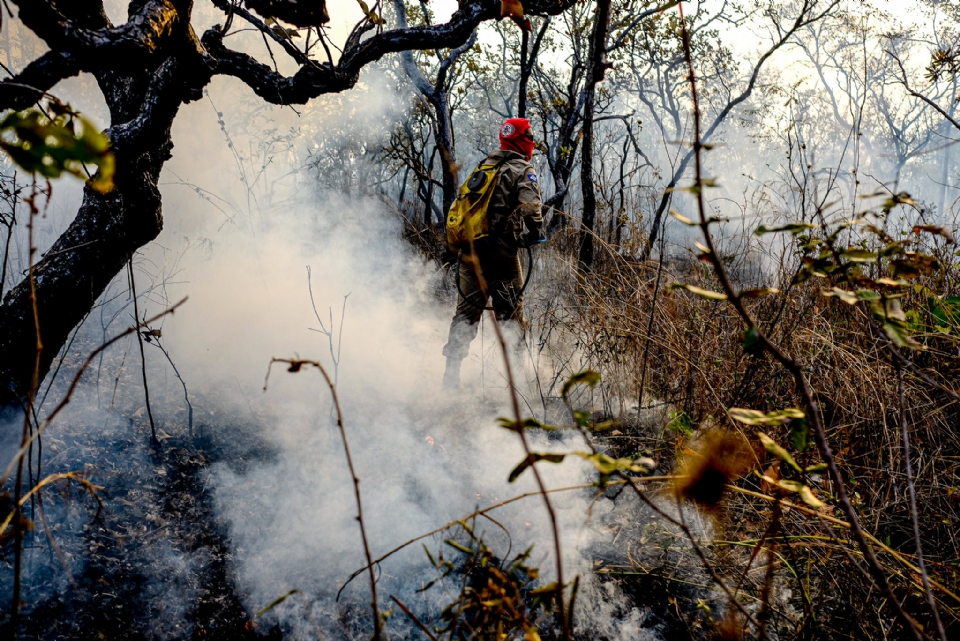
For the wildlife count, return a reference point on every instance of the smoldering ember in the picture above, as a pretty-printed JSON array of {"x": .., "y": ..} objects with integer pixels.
[{"x": 479, "y": 320}]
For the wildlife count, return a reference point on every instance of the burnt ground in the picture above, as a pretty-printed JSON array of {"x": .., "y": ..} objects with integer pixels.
[{"x": 156, "y": 562}]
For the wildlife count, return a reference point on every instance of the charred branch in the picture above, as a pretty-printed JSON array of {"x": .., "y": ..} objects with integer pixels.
[
  {"x": 28, "y": 86},
  {"x": 305, "y": 13},
  {"x": 135, "y": 43}
]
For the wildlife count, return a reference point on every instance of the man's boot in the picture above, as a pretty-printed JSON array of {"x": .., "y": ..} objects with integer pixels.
[{"x": 451, "y": 375}]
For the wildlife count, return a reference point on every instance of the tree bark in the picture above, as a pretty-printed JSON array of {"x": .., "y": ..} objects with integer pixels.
[{"x": 598, "y": 68}]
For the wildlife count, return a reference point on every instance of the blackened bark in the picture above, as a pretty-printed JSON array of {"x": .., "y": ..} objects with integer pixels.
[
  {"x": 108, "y": 228},
  {"x": 27, "y": 87},
  {"x": 598, "y": 68}
]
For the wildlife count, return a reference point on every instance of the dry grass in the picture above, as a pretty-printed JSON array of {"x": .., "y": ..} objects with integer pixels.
[{"x": 690, "y": 356}]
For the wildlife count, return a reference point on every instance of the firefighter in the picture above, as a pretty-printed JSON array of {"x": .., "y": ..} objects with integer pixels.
[{"x": 490, "y": 266}]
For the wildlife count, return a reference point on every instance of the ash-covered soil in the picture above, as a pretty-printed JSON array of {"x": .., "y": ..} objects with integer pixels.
[{"x": 155, "y": 562}]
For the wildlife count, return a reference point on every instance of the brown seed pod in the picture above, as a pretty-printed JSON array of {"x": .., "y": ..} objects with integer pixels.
[{"x": 718, "y": 458}]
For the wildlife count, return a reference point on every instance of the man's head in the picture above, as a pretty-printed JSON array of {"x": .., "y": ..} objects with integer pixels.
[{"x": 517, "y": 135}]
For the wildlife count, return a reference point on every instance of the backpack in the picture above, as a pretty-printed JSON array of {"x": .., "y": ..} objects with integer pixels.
[{"x": 467, "y": 219}]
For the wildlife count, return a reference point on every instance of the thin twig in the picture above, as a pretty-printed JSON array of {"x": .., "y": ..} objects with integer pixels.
[
  {"x": 484, "y": 512},
  {"x": 296, "y": 366},
  {"x": 143, "y": 357},
  {"x": 564, "y": 618},
  {"x": 26, "y": 438},
  {"x": 912, "y": 493},
  {"x": 186, "y": 395},
  {"x": 414, "y": 618}
]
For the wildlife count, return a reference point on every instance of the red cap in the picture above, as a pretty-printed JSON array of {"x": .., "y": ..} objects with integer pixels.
[{"x": 516, "y": 134}]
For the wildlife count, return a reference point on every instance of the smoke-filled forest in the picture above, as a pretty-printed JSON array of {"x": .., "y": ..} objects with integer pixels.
[{"x": 479, "y": 320}]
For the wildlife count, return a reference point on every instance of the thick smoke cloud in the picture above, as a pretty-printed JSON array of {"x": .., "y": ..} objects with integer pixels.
[
  {"x": 424, "y": 457},
  {"x": 243, "y": 220}
]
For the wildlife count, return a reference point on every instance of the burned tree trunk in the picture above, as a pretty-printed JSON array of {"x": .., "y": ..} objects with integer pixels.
[
  {"x": 598, "y": 68},
  {"x": 109, "y": 227}
]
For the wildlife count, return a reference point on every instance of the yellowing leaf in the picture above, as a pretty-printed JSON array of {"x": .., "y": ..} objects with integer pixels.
[
  {"x": 586, "y": 377},
  {"x": 774, "y": 448},
  {"x": 513, "y": 9},
  {"x": 795, "y": 487},
  {"x": 702, "y": 293},
  {"x": 851, "y": 298},
  {"x": 683, "y": 219},
  {"x": 758, "y": 292},
  {"x": 756, "y": 417},
  {"x": 509, "y": 8},
  {"x": 808, "y": 497}
]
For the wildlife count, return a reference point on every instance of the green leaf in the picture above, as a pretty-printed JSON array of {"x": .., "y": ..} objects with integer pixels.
[
  {"x": 680, "y": 423},
  {"x": 530, "y": 460},
  {"x": 458, "y": 546},
  {"x": 774, "y": 448},
  {"x": 795, "y": 228},
  {"x": 800, "y": 434},
  {"x": 586, "y": 377},
  {"x": 751, "y": 341},
  {"x": 275, "y": 603},
  {"x": 582, "y": 417},
  {"x": 550, "y": 588},
  {"x": 433, "y": 561},
  {"x": 607, "y": 465},
  {"x": 52, "y": 145},
  {"x": 851, "y": 298},
  {"x": 702, "y": 293},
  {"x": 858, "y": 255},
  {"x": 888, "y": 308},
  {"x": 898, "y": 334},
  {"x": 525, "y": 424},
  {"x": 756, "y": 417},
  {"x": 817, "y": 468}
]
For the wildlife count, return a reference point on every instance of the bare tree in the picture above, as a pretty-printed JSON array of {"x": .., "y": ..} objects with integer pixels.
[
  {"x": 598, "y": 68},
  {"x": 437, "y": 95},
  {"x": 784, "y": 28}
]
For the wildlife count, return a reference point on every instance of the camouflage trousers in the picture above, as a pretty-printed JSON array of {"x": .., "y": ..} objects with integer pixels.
[{"x": 495, "y": 273}]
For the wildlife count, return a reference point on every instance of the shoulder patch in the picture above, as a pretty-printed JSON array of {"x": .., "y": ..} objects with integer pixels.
[{"x": 532, "y": 177}]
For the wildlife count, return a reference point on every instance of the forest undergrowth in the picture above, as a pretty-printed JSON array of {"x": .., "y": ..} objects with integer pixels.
[{"x": 865, "y": 301}]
